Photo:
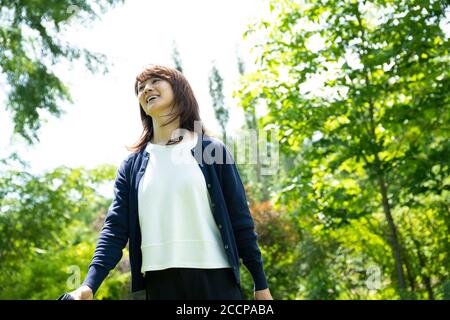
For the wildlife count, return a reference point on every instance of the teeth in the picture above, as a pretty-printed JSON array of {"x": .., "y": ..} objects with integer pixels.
[{"x": 150, "y": 98}]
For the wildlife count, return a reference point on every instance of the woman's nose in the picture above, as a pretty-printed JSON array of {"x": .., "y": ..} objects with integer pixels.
[{"x": 146, "y": 89}]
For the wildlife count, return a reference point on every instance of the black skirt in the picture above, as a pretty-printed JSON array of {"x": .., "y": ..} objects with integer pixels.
[{"x": 192, "y": 284}]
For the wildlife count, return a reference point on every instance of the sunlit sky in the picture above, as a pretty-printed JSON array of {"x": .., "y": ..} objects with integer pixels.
[{"x": 105, "y": 115}]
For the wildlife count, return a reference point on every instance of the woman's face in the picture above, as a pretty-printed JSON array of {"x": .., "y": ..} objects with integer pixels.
[{"x": 155, "y": 96}]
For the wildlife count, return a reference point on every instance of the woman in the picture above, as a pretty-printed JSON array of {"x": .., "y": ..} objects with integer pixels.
[{"x": 179, "y": 201}]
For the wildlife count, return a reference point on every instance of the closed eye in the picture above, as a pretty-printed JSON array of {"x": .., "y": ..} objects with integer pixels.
[{"x": 141, "y": 87}]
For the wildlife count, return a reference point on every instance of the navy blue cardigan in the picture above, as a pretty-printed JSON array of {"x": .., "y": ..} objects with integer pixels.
[{"x": 228, "y": 204}]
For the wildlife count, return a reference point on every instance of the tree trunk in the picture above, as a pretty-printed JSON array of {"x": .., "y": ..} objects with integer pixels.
[
  {"x": 427, "y": 281},
  {"x": 393, "y": 238}
]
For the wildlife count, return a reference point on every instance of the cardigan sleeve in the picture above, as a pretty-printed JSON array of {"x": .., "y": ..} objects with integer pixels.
[
  {"x": 241, "y": 220},
  {"x": 114, "y": 234}
]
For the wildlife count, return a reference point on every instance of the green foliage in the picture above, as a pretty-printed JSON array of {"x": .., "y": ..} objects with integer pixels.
[
  {"x": 278, "y": 238},
  {"x": 49, "y": 225},
  {"x": 359, "y": 91},
  {"x": 218, "y": 99},
  {"x": 30, "y": 46},
  {"x": 176, "y": 57}
]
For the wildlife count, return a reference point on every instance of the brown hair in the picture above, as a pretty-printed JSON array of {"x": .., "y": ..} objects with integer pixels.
[{"x": 187, "y": 106}]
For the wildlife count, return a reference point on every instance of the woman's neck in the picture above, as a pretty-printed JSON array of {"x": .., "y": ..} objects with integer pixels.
[{"x": 162, "y": 135}]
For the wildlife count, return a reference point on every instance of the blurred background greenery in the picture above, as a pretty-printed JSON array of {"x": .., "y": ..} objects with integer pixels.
[{"x": 359, "y": 206}]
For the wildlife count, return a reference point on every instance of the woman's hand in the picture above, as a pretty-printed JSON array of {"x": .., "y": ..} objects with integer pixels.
[
  {"x": 82, "y": 293},
  {"x": 263, "y": 295}
]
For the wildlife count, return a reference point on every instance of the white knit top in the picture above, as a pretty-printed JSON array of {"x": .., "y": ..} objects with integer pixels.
[{"x": 177, "y": 225}]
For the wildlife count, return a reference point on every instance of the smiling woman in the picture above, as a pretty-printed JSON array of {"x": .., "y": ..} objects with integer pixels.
[
  {"x": 187, "y": 222},
  {"x": 165, "y": 99}
]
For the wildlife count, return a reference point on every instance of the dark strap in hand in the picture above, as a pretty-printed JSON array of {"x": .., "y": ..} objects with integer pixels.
[{"x": 65, "y": 296}]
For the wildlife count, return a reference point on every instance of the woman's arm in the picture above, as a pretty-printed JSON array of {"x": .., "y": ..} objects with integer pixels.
[
  {"x": 114, "y": 234},
  {"x": 243, "y": 224}
]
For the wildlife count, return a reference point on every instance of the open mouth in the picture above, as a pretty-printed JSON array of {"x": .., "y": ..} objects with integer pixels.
[{"x": 151, "y": 98}]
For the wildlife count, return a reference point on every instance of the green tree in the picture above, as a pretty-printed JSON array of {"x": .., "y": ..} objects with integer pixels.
[
  {"x": 371, "y": 132},
  {"x": 48, "y": 223},
  {"x": 30, "y": 46},
  {"x": 218, "y": 99},
  {"x": 253, "y": 175},
  {"x": 176, "y": 57},
  {"x": 251, "y": 121}
]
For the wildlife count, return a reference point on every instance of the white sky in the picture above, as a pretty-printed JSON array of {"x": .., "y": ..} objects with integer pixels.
[{"x": 105, "y": 115}]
